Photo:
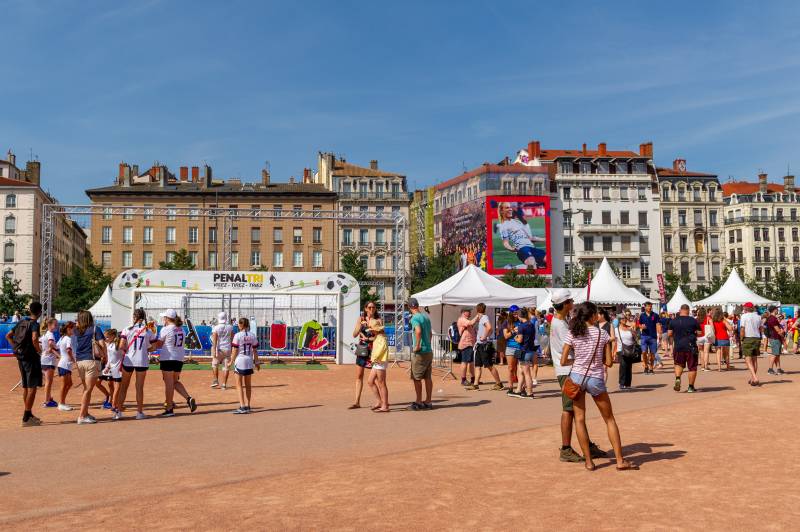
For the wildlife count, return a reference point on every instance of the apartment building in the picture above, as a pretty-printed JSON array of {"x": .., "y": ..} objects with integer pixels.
[
  {"x": 289, "y": 243},
  {"x": 21, "y": 204},
  {"x": 604, "y": 203},
  {"x": 691, "y": 215},
  {"x": 761, "y": 222},
  {"x": 420, "y": 224},
  {"x": 368, "y": 191}
]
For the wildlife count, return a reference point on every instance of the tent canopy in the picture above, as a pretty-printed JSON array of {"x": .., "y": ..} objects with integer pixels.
[
  {"x": 471, "y": 286},
  {"x": 678, "y": 299},
  {"x": 734, "y": 292},
  {"x": 102, "y": 308},
  {"x": 607, "y": 289}
]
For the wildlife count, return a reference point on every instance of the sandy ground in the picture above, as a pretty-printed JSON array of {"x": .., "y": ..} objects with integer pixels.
[{"x": 718, "y": 459}]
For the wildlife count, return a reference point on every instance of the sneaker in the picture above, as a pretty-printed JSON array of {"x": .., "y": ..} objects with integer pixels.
[
  {"x": 50, "y": 404},
  {"x": 779, "y": 371},
  {"x": 91, "y": 417},
  {"x": 33, "y": 421},
  {"x": 117, "y": 415},
  {"x": 512, "y": 393},
  {"x": 569, "y": 455},
  {"x": 691, "y": 389},
  {"x": 498, "y": 387},
  {"x": 464, "y": 382},
  {"x": 240, "y": 410},
  {"x": 167, "y": 413},
  {"x": 427, "y": 406},
  {"x": 88, "y": 420},
  {"x": 771, "y": 371},
  {"x": 141, "y": 415},
  {"x": 705, "y": 369},
  {"x": 107, "y": 404},
  {"x": 522, "y": 395},
  {"x": 223, "y": 387},
  {"x": 215, "y": 384},
  {"x": 535, "y": 382},
  {"x": 677, "y": 386},
  {"x": 528, "y": 396},
  {"x": 64, "y": 408},
  {"x": 595, "y": 451},
  {"x": 192, "y": 404},
  {"x": 472, "y": 387}
]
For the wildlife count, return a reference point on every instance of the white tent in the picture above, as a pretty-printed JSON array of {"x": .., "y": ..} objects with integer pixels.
[
  {"x": 545, "y": 303},
  {"x": 471, "y": 286},
  {"x": 677, "y": 300},
  {"x": 733, "y": 292},
  {"x": 102, "y": 308},
  {"x": 607, "y": 289}
]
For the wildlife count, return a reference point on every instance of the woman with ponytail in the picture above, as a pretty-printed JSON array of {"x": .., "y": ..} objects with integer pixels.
[
  {"x": 171, "y": 340},
  {"x": 135, "y": 343}
]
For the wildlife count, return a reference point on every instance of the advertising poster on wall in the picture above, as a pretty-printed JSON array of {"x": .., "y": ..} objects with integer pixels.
[
  {"x": 464, "y": 232},
  {"x": 518, "y": 234}
]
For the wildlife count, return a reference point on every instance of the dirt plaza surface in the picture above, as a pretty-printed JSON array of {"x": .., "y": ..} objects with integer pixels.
[{"x": 718, "y": 459}]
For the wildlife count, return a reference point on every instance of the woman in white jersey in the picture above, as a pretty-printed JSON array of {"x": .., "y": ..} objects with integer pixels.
[
  {"x": 171, "y": 340},
  {"x": 135, "y": 343},
  {"x": 49, "y": 358},
  {"x": 65, "y": 362},
  {"x": 221, "y": 337},
  {"x": 245, "y": 358}
]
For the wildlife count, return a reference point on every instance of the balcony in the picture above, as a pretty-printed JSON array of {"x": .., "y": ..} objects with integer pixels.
[
  {"x": 616, "y": 254},
  {"x": 356, "y": 218},
  {"x": 733, "y": 220},
  {"x": 607, "y": 228},
  {"x": 373, "y": 196}
]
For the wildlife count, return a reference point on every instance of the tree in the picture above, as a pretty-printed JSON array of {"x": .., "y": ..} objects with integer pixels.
[
  {"x": 527, "y": 279},
  {"x": 579, "y": 277},
  {"x": 82, "y": 287},
  {"x": 180, "y": 261},
  {"x": 11, "y": 297},
  {"x": 437, "y": 269},
  {"x": 352, "y": 265}
]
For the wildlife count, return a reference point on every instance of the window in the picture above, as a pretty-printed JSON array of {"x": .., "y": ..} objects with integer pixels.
[
  {"x": 621, "y": 167},
  {"x": 380, "y": 262},
  {"x": 699, "y": 243},
  {"x": 767, "y": 274},
  {"x": 11, "y": 201},
  {"x": 567, "y": 245},
  {"x": 506, "y": 187},
  {"x": 602, "y": 167},
  {"x": 793, "y": 215},
  {"x": 587, "y": 193},
  {"x": 642, "y": 193},
  {"x": 127, "y": 213},
  {"x": 796, "y": 254},
  {"x": 147, "y": 259},
  {"x": 587, "y": 217},
  {"x": 106, "y": 259},
  {"x": 171, "y": 212},
  {"x": 523, "y": 187},
  {"x": 608, "y": 243},
  {"x": 758, "y": 254},
  {"x": 194, "y": 212},
  {"x": 766, "y": 254},
  {"x": 148, "y": 212},
  {"x": 316, "y": 235},
  {"x": 700, "y": 270},
  {"x": 297, "y": 235},
  {"x": 605, "y": 193},
  {"x": 566, "y": 167},
  {"x": 234, "y": 259},
  {"x": 566, "y": 193},
  {"x": 588, "y": 243},
  {"x": 715, "y": 270},
  {"x": 756, "y": 234},
  {"x": 11, "y": 224},
  {"x": 395, "y": 190},
  {"x": 696, "y": 195},
  {"x": 212, "y": 259},
  {"x": 316, "y": 259},
  {"x": 684, "y": 243},
  {"x": 758, "y": 274},
  {"x": 667, "y": 218},
  {"x": 625, "y": 243},
  {"x": 665, "y": 194},
  {"x": 586, "y": 167},
  {"x": 106, "y": 235},
  {"x": 297, "y": 259},
  {"x": 644, "y": 245},
  {"x": 234, "y": 211},
  {"x": 379, "y": 236},
  {"x": 106, "y": 211},
  {"x": 364, "y": 260},
  {"x": 626, "y": 270},
  {"x": 347, "y": 237},
  {"x": 363, "y": 236},
  {"x": 127, "y": 235},
  {"x": 170, "y": 235},
  {"x": 684, "y": 269},
  {"x": 642, "y": 218},
  {"x": 782, "y": 254},
  {"x": 781, "y": 235},
  {"x": 712, "y": 218},
  {"x": 715, "y": 243},
  {"x": 644, "y": 267},
  {"x": 712, "y": 193},
  {"x": 606, "y": 217},
  {"x": 623, "y": 193},
  {"x": 567, "y": 220},
  {"x": 277, "y": 259},
  {"x": 277, "y": 235},
  {"x": 625, "y": 217},
  {"x": 255, "y": 235},
  {"x": 668, "y": 268},
  {"x": 255, "y": 257},
  {"x": 234, "y": 234},
  {"x": 779, "y": 214},
  {"x": 668, "y": 243},
  {"x": 193, "y": 232},
  {"x": 363, "y": 211},
  {"x": 379, "y": 190},
  {"x": 682, "y": 218},
  {"x": 794, "y": 234},
  {"x": 379, "y": 211},
  {"x": 170, "y": 256},
  {"x": 698, "y": 217},
  {"x": 739, "y": 255},
  {"x": 147, "y": 235},
  {"x": 127, "y": 259},
  {"x": 764, "y": 234},
  {"x": 277, "y": 210},
  {"x": 212, "y": 235}
]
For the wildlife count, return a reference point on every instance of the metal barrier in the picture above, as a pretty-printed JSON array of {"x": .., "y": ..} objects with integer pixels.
[{"x": 443, "y": 353}]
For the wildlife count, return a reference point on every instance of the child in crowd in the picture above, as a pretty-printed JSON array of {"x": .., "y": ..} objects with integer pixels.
[
  {"x": 244, "y": 359},
  {"x": 66, "y": 361},
  {"x": 49, "y": 360},
  {"x": 112, "y": 372}
]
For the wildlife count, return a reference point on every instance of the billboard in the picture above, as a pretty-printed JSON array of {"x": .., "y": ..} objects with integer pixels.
[
  {"x": 518, "y": 234},
  {"x": 464, "y": 232}
]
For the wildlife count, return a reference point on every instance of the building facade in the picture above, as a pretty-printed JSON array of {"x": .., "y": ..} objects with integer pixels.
[
  {"x": 126, "y": 241},
  {"x": 420, "y": 224},
  {"x": 374, "y": 192},
  {"x": 603, "y": 204},
  {"x": 761, "y": 224},
  {"x": 692, "y": 241},
  {"x": 21, "y": 204}
]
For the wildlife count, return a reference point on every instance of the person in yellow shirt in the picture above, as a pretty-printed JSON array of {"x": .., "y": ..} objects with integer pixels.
[{"x": 380, "y": 363}]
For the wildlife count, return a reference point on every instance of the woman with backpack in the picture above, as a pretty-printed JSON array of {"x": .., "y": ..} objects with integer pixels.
[{"x": 90, "y": 348}]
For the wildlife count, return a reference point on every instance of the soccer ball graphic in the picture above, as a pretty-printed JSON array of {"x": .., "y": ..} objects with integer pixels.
[
  {"x": 130, "y": 279},
  {"x": 339, "y": 283}
]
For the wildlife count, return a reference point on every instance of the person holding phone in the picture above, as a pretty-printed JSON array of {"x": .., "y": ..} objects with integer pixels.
[{"x": 365, "y": 337}]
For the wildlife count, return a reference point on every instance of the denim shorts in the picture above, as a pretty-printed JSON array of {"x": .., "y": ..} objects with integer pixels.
[
  {"x": 723, "y": 343},
  {"x": 594, "y": 385},
  {"x": 649, "y": 344},
  {"x": 513, "y": 352},
  {"x": 62, "y": 372},
  {"x": 528, "y": 358}
]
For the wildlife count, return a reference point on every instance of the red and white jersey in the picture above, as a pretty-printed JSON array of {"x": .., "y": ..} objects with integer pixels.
[
  {"x": 139, "y": 338},
  {"x": 247, "y": 343}
]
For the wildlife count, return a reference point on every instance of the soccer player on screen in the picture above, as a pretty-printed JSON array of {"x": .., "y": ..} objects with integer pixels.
[{"x": 517, "y": 237}]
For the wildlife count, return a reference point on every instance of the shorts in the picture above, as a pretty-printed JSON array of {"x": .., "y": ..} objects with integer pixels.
[
  {"x": 468, "y": 355},
  {"x": 221, "y": 357},
  {"x": 244, "y": 371},
  {"x": 88, "y": 369},
  {"x": 566, "y": 402},
  {"x": 528, "y": 358},
  {"x": 484, "y": 355},
  {"x": 172, "y": 365},
  {"x": 722, "y": 343},
  {"x": 513, "y": 352},
  {"x": 421, "y": 366},
  {"x": 131, "y": 369},
  {"x": 362, "y": 361},
  {"x": 527, "y": 252},
  {"x": 686, "y": 359},
  {"x": 775, "y": 346},
  {"x": 46, "y": 367},
  {"x": 380, "y": 366},
  {"x": 751, "y": 347},
  {"x": 701, "y": 340},
  {"x": 30, "y": 372},
  {"x": 62, "y": 372},
  {"x": 649, "y": 344},
  {"x": 109, "y": 378},
  {"x": 594, "y": 385}
]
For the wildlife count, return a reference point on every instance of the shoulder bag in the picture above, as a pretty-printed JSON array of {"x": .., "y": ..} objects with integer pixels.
[
  {"x": 97, "y": 352},
  {"x": 573, "y": 390}
]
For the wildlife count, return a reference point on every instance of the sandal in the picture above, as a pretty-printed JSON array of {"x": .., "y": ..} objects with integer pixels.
[
  {"x": 590, "y": 467},
  {"x": 380, "y": 410},
  {"x": 353, "y": 407},
  {"x": 626, "y": 466}
]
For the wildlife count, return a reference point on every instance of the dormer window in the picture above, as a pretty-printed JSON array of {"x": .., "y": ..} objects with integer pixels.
[
  {"x": 586, "y": 167},
  {"x": 11, "y": 201},
  {"x": 602, "y": 167},
  {"x": 566, "y": 167},
  {"x": 621, "y": 167}
]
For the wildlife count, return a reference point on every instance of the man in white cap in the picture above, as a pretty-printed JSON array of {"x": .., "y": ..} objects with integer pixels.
[
  {"x": 563, "y": 303},
  {"x": 221, "y": 336}
]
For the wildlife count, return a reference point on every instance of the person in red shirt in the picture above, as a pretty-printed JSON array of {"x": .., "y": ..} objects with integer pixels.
[
  {"x": 722, "y": 331},
  {"x": 794, "y": 331},
  {"x": 774, "y": 332}
]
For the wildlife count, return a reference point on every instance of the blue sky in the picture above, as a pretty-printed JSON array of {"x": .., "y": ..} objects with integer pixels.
[{"x": 424, "y": 87}]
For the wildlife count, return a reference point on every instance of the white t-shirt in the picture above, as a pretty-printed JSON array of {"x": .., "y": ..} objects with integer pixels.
[
  {"x": 224, "y": 335},
  {"x": 751, "y": 324},
  {"x": 247, "y": 344},
  {"x": 48, "y": 357},
  {"x": 64, "y": 346},
  {"x": 558, "y": 333},
  {"x": 138, "y": 338},
  {"x": 483, "y": 337},
  {"x": 517, "y": 233},
  {"x": 173, "y": 338},
  {"x": 114, "y": 362},
  {"x": 625, "y": 336}
]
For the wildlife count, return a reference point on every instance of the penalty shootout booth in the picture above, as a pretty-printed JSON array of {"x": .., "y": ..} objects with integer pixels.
[{"x": 303, "y": 315}]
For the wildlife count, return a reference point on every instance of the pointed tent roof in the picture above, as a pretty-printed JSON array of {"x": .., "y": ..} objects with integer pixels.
[
  {"x": 471, "y": 286},
  {"x": 103, "y": 305},
  {"x": 608, "y": 289},
  {"x": 734, "y": 292},
  {"x": 678, "y": 299}
]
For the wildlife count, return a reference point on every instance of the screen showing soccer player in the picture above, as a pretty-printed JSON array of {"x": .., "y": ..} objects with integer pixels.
[{"x": 519, "y": 228}]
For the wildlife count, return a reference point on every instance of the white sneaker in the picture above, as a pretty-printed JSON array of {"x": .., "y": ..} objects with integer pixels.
[
  {"x": 64, "y": 408},
  {"x": 223, "y": 386},
  {"x": 88, "y": 420},
  {"x": 116, "y": 416},
  {"x": 535, "y": 382},
  {"x": 141, "y": 415},
  {"x": 214, "y": 384}
]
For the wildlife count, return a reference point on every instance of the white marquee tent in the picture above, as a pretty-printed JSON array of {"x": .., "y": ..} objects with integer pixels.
[
  {"x": 471, "y": 286},
  {"x": 678, "y": 299},
  {"x": 733, "y": 292},
  {"x": 607, "y": 289},
  {"x": 102, "y": 308}
]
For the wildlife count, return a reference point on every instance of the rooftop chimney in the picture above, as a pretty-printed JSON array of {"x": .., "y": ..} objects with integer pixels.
[
  {"x": 135, "y": 170},
  {"x": 762, "y": 183},
  {"x": 12, "y": 158},
  {"x": 373, "y": 164},
  {"x": 184, "y": 173},
  {"x": 584, "y": 148},
  {"x": 307, "y": 172},
  {"x": 121, "y": 172},
  {"x": 646, "y": 149},
  {"x": 679, "y": 165},
  {"x": 534, "y": 151},
  {"x": 265, "y": 177},
  {"x": 33, "y": 170},
  {"x": 195, "y": 174},
  {"x": 207, "y": 179},
  {"x": 162, "y": 176},
  {"x": 601, "y": 149},
  {"x": 788, "y": 183}
]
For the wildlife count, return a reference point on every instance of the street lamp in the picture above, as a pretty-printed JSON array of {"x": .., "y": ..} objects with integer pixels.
[{"x": 570, "y": 211}]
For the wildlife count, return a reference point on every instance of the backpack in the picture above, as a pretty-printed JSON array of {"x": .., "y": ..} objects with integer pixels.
[
  {"x": 454, "y": 334},
  {"x": 23, "y": 339}
]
